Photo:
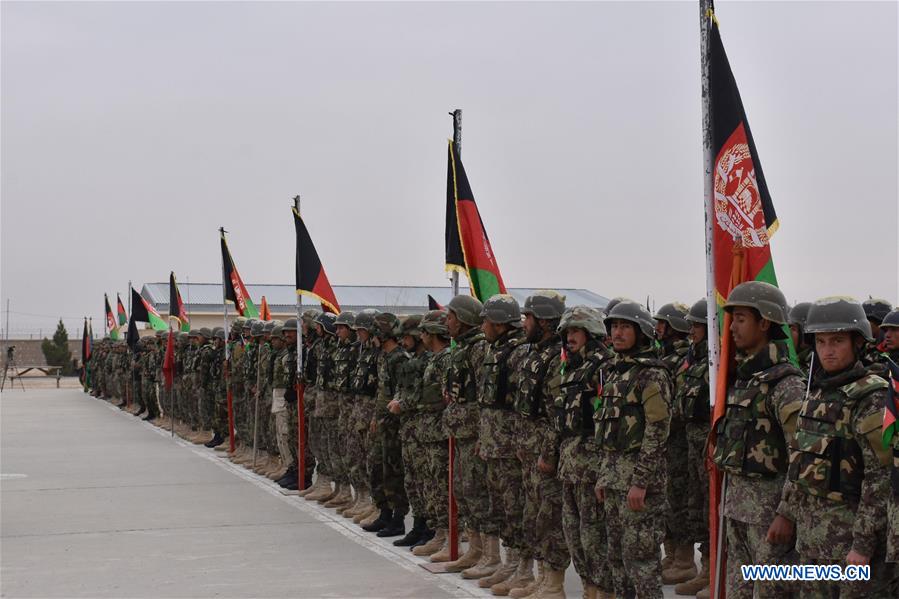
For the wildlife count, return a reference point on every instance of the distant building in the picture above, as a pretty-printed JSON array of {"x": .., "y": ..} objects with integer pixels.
[{"x": 203, "y": 301}]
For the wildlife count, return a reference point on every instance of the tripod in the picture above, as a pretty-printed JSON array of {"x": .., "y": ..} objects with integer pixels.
[{"x": 11, "y": 370}]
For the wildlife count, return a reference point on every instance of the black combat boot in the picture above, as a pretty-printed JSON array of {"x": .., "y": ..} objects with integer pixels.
[
  {"x": 426, "y": 535},
  {"x": 217, "y": 439},
  {"x": 396, "y": 526},
  {"x": 419, "y": 527},
  {"x": 382, "y": 521},
  {"x": 289, "y": 478}
]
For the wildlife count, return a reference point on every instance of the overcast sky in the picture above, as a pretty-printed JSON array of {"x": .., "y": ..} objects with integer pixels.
[{"x": 131, "y": 132}]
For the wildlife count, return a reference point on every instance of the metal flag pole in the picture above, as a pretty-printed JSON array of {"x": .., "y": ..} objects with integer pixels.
[
  {"x": 453, "y": 508},
  {"x": 300, "y": 389},
  {"x": 172, "y": 387},
  {"x": 105, "y": 316},
  {"x": 130, "y": 399},
  {"x": 226, "y": 366}
]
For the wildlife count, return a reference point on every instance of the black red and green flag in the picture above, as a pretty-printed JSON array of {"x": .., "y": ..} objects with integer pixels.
[
  {"x": 311, "y": 279},
  {"x": 468, "y": 249},
  {"x": 142, "y": 311},
  {"x": 891, "y": 407},
  {"x": 123, "y": 316},
  {"x": 434, "y": 304},
  {"x": 110, "y": 319},
  {"x": 235, "y": 291},
  {"x": 176, "y": 306}
]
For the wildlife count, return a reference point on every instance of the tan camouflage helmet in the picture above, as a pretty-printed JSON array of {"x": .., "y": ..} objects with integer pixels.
[
  {"x": 467, "y": 309},
  {"x": 412, "y": 325},
  {"x": 837, "y": 314},
  {"x": 545, "y": 304},
  {"x": 239, "y": 323},
  {"x": 387, "y": 325},
  {"x": 366, "y": 320},
  {"x": 502, "y": 309},
  {"x": 310, "y": 316},
  {"x": 583, "y": 317},
  {"x": 675, "y": 315},
  {"x": 346, "y": 318},
  {"x": 434, "y": 322}
]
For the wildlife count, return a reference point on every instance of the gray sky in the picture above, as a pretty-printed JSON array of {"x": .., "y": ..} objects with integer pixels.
[{"x": 131, "y": 132}]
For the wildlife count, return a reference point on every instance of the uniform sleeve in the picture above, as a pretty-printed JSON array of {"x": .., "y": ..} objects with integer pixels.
[
  {"x": 789, "y": 502},
  {"x": 651, "y": 462},
  {"x": 786, "y": 401},
  {"x": 871, "y": 515},
  {"x": 551, "y": 388}
]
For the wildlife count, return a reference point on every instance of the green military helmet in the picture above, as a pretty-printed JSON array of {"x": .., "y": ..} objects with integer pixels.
[
  {"x": 502, "y": 309},
  {"x": 836, "y": 314},
  {"x": 290, "y": 324},
  {"x": 326, "y": 319},
  {"x": 206, "y": 332},
  {"x": 346, "y": 318},
  {"x": 583, "y": 317},
  {"x": 799, "y": 314},
  {"x": 267, "y": 327},
  {"x": 388, "y": 325},
  {"x": 310, "y": 316},
  {"x": 278, "y": 331},
  {"x": 615, "y": 301},
  {"x": 434, "y": 322},
  {"x": 545, "y": 304},
  {"x": 675, "y": 315},
  {"x": 411, "y": 325},
  {"x": 767, "y": 299},
  {"x": 699, "y": 312},
  {"x": 876, "y": 309},
  {"x": 258, "y": 329},
  {"x": 891, "y": 320},
  {"x": 631, "y": 312},
  {"x": 365, "y": 320},
  {"x": 467, "y": 309},
  {"x": 218, "y": 333},
  {"x": 239, "y": 323}
]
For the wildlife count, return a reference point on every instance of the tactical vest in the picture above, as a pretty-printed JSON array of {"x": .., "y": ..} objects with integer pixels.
[
  {"x": 324, "y": 364},
  {"x": 750, "y": 441},
  {"x": 365, "y": 374},
  {"x": 576, "y": 405},
  {"x": 694, "y": 397},
  {"x": 621, "y": 420},
  {"x": 496, "y": 376},
  {"x": 432, "y": 382},
  {"x": 279, "y": 371},
  {"x": 534, "y": 369},
  {"x": 409, "y": 375},
  {"x": 825, "y": 458},
  {"x": 344, "y": 363},
  {"x": 460, "y": 373}
]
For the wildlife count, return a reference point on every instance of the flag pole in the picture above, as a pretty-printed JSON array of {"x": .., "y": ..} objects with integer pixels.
[
  {"x": 300, "y": 389},
  {"x": 130, "y": 398},
  {"x": 172, "y": 388},
  {"x": 105, "y": 318},
  {"x": 453, "y": 508},
  {"x": 227, "y": 364}
]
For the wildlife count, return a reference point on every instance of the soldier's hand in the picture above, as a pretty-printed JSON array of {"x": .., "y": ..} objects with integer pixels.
[
  {"x": 781, "y": 531},
  {"x": 373, "y": 426},
  {"x": 600, "y": 494},
  {"x": 477, "y": 449},
  {"x": 636, "y": 499},
  {"x": 857, "y": 559},
  {"x": 394, "y": 407},
  {"x": 545, "y": 467}
]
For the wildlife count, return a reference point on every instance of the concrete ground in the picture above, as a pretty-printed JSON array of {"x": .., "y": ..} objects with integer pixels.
[{"x": 96, "y": 503}]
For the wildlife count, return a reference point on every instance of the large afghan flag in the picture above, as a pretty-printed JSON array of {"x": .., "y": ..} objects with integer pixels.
[
  {"x": 120, "y": 308},
  {"x": 110, "y": 319},
  {"x": 142, "y": 311},
  {"x": 235, "y": 291},
  {"x": 311, "y": 279},
  {"x": 176, "y": 306},
  {"x": 467, "y": 246}
]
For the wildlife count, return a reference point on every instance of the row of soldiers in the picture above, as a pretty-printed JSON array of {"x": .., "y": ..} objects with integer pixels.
[{"x": 578, "y": 436}]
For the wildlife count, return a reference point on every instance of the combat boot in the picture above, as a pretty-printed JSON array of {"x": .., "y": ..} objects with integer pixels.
[
  {"x": 215, "y": 440},
  {"x": 361, "y": 506},
  {"x": 590, "y": 591},
  {"x": 434, "y": 546},
  {"x": 700, "y": 582},
  {"x": 373, "y": 514},
  {"x": 532, "y": 588},
  {"x": 316, "y": 486},
  {"x": 330, "y": 495},
  {"x": 347, "y": 507},
  {"x": 381, "y": 522},
  {"x": 426, "y": 537},
  {"x": 418, "y": 530},
  {"x": 471, "y": 556},
  {"x": 684, "y": 567},
  {"x": 324, "y": 488},
  {"x": 396, "y": 526},
  {"x": 523, "y": 576},
  {"x": 553, "y": 585},
  {"x": 668, "y": 560},
  {"x": 343, "y": 497},
  {"x": 489, "y": 562},
  {"x": 505, "y": 571},
  {"x": 276, "y": 470},
  {"x": 705, "y": 593},
  {"x": 290, "y": 477}
]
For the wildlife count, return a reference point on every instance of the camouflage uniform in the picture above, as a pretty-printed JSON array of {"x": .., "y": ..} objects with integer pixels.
[
  {"x": 345, "y": 355},
  {"x": 364, "y": 384},
  {"x": 326, "y": 408},
  {"x": 218, "y": 390},
  {"x": 433, "y": 485},
  {"x": 148, "y": 377},
  {"x": 265, "y": 362},
  {"x": 282, "y": 385},
  {"x": 692, "y": 403},
  {"x": 388, "y": 485},
  {"x": 409, "y": 395},
  {"x": 237, "y": 353},
  {"x": 249, "y": 376},
  {"x": 631, "y": 429}
]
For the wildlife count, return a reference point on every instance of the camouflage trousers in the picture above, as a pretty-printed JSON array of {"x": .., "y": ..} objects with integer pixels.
[
  {"x": 415, "y": 468},
  {"x": 435, "y": 486},
  {"x": 294, "y": 441},
  {"x": 893, "y": 516},
  {"x": 345, "y": 426},
  {"x": 550, "y": 539},
  {"x": 469, "y": 484},
  {"x": 698, "y": 484},
  {"x": 386, "y": 462},
  {"x": 329, "y": 444},
  {"x": 634, "y": 540},
  {"x": 149, "y": 395},
  {"x": 884, "y": 582},
  {"x": 584, "y": 525},
  {"x": 679, "y": 489},
  {"x": 505, "y": 490},
  {"x": 747, "y": 544},
  {"x": 280, "y": 418},
  {"x": 266, "y": 421},
  {"x": 358, "y": 443}
]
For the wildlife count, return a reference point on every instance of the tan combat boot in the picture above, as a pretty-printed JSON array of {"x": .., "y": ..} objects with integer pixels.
[
  {"x": 668, "y": 560},
  {"x": 590, "y": 591},
  {"x": 471, "y": 556},
  {"x": 684, "y": 567},
  {"x": 317, "y": 485},
  {"x": 372, "y": 516},
  {"x": 489, "y": 562},
  {"x": 553, "y": 585},
  {"x": 352, "y": 510},
  {"x": 341, "y": 498},
  {"x": 324, "y": 488},
  {"x": 505, "y": 571},
  {"x": 363, "y": 518},
  {"x": 524, "y": 575},
  {"x": 432, "y": 547},
  {"x": 700, "y": 582},
  {"x": 354, "y": 501},
  {"x": 330, "y": 495},
  {"x": 533, "y": 587},
  {"x": 705, "y": 593}
]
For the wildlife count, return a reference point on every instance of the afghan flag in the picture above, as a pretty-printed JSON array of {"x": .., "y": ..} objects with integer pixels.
[
  {"x": 176, "y": 306},
  {"x": 142, "y": 311},
  {"x": 891, "y": 407},
  {"x": 433, "y": 304},
  {"x": 311, "y": 278},
  {"x": 264, "y": 312},
  {"x": 110, "y": 319},
  {"x": 467, "y": 246},
  {"x": 743, "y": 220},
  {"x": 123, "y": 316},
  {"x": 235, "y": 291},
  {"x": 85, "y": 344}
]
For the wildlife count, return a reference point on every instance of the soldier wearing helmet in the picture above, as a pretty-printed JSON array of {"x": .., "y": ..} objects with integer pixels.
[
  {"x": 315, "y": 342},
  {"x": 216, "y": 390},
  {"x": 758, "y": 425},
  {"x": 538, "y": 386},
  {"x": 345, "y": 355},
  {"x": 833, "y": 504},
  {"x": 890, "y": 329},
  {"x": 885, "y": 334},
  {"x": 798, "y": 317},
  {"x": 583, "y": 374},
  {"x": 323, "y": 427},
  {"x": 631, "y": 430}
]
